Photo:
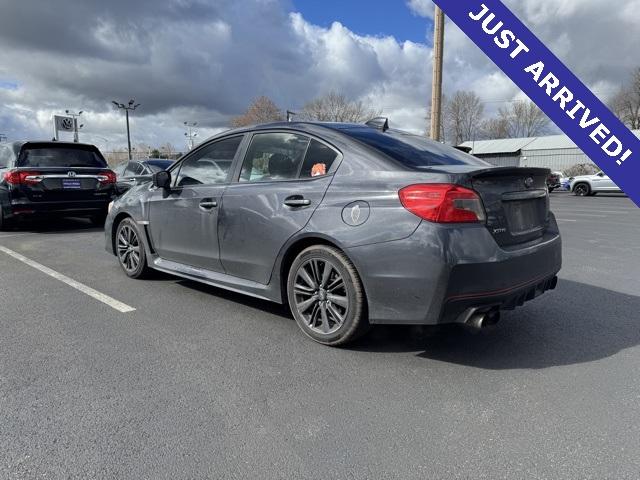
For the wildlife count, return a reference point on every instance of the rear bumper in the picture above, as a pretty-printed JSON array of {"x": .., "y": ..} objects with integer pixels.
[
  {"x": 27, "y": 209},
  {"x": 440, "y": 273}
]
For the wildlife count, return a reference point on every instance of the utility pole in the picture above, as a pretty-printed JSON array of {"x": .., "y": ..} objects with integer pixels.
[
  {"x": 290, "y": 115},
  {"x": 132, "y": 105},
  {"x": 191, "y": 134},
  {"x": 75, "y": 124},
  {"x": 436, "y": 92}
]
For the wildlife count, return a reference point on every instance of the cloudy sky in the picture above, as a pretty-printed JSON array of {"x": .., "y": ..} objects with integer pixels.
[{"x": 204, "y": 60}]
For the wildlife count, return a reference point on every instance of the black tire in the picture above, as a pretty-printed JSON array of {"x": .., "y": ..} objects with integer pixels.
[
  {"x": 337, "y": 313},
  {"x": 4, "y": 223},
  {"x": 582, "y": 190},
  {"x": 128, "y": 235},
  {"x": 98, "y": 219},
  {"x": 551, "y": 189}
]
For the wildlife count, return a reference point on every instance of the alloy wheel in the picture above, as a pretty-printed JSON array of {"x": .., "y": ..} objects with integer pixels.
[
  {"x": 320, "y": 296},
  {"x": 581, "y": 190},
  {"x": 128, "y": 248}
]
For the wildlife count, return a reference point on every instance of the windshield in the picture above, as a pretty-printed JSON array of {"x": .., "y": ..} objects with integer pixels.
[
  {"x": 67, "y": 157},
  {"x": 412, "y": 151}
]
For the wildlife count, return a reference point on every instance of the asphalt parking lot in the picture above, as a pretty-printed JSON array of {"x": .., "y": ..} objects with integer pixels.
[{"x": 197, "y": 382}]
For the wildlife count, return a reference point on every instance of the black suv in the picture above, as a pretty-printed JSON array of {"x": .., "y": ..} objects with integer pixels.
[{"x": 53, "y": 179}]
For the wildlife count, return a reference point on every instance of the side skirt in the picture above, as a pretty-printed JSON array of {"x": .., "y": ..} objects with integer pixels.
[{"x": 217, "y": 279}]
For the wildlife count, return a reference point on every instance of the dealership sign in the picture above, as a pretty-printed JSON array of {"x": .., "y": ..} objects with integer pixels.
[{"x": 552, "y": 86}]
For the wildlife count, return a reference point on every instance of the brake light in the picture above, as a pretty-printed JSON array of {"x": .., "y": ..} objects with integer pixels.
[
  {"x": 107, "y": 178},
  {"x": 22, "y": 177},
  {"x": 443, "y": 203}
]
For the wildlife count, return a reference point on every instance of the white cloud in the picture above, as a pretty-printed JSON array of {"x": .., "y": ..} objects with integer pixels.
[
  {"x": 204, "y": 61},
  {"x": 422, "y": 8}
]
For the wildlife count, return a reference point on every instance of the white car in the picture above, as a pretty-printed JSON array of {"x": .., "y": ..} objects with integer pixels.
[{"x": 586, "y": 185}]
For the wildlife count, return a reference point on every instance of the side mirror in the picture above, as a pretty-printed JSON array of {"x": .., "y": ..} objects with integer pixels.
[{"x": 162, "y": 179}]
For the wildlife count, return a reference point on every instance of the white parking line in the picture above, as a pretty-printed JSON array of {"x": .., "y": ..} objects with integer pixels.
[
  {"x": 106, "y": 299},
  {"x": 14, "y": 235}
]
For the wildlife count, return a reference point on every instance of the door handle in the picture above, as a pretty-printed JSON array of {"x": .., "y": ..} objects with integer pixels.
[
  {"x": 208, "y": 204},
  {"x": 296, "y": 201}
]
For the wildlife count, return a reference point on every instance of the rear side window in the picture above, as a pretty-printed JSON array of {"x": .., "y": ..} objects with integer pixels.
[
  {"x": 66, "y": 157},
  {"x": 412, "y": 151},
  {"x": 318, "y": 160},
  {"x": 274, "y": 156}
]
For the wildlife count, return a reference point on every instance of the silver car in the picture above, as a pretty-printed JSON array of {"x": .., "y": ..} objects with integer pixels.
[
  {"x": 587, "y": 185},
  {"x": 350, "y": 225}
]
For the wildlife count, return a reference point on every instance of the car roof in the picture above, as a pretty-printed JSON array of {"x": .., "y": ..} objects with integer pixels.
[
  {"x": 52, "y": 143},
  {"x": 317, "y": 128}
]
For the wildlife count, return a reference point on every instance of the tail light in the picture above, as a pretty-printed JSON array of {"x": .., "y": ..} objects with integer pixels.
[
  {"x": 443, "y": 203},
  {"x": 107, "y": 178},
  {"x": 22, "y": 177}
]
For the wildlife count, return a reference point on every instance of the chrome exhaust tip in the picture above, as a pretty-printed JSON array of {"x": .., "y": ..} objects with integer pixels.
[{"x": 482, "y": 320}]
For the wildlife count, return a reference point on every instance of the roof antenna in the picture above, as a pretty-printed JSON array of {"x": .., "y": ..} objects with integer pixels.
[{"x": 379, "y": 123}]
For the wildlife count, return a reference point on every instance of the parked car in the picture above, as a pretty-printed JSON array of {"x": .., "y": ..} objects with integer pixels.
[
  {"x": 138, "y": 171},
  {"x": 554, "y": 181},
  {"x": 587, "y": 185},
  {"x": 349, "y": 224},
  {"x": 565, "y": 183},
  {"x": 53, "y": 179}
]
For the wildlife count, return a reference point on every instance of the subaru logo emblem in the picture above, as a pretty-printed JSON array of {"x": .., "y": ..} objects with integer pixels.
[
  {"x": 528, "y": 182},
  {"x": 71, "y": 174}
]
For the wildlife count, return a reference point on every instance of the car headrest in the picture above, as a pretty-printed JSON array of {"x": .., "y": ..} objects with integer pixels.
[{"x": 280, "y": 165}]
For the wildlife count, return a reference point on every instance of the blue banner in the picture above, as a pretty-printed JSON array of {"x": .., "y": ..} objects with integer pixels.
[{"x": 552, "y": 86}]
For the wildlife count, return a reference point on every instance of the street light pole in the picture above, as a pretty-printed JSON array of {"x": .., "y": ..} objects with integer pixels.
[
  {"x": 436, "y": 92},
  {"x": 132, "y": 105}
]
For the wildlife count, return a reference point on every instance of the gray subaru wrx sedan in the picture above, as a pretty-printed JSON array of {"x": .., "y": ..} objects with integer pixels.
[{"x": 351, "y": 225}]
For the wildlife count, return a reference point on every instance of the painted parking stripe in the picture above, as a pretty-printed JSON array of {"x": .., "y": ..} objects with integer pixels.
[{"x": 106, "y": 299}]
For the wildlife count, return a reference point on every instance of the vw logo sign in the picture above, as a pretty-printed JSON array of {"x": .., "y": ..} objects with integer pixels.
[
  {"x": 528, "y": 182},
  {"x": 71, "y": 174},
  {"x": 67, "y": 124}
]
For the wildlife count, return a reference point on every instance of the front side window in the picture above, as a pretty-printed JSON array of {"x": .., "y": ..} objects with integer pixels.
[
  {"x": 209, "y": 165},
  {"x": 133, "y": 169},
  {"x": 274, "y": 156}
]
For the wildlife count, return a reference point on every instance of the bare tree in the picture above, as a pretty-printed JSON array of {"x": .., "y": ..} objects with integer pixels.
[
  {"x": 495, "y": 128},
  {"x": 521, "y": 119},
  {"x": 335, "y": 107},
  {"x": 262, "y": 110},
  {"x": 463, "y": 116},
  {"x": 167, "y": 150},
  {"x": 626, "y": 103}
]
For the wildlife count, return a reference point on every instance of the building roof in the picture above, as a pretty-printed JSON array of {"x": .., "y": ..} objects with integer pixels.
[{"x": 515, "y": 145}]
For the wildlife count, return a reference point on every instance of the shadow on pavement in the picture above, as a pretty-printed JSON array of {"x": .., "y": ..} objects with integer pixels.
[
  {"x": 54, "y": 226},
  {"x": 251, "y": 302},
  {"x": 576, "y": 323}
]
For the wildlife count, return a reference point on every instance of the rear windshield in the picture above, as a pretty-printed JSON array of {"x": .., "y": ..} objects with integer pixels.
[
  {"x": 71, "y": 157},
  {"x": 412, "y": 151},
  {"x": 158, "y": 165}
]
